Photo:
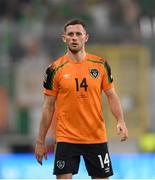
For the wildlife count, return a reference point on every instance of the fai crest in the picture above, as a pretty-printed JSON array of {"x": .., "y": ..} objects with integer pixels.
[
  {"x": 61, "y": 164},
  {"x": 94, "y": 73}
]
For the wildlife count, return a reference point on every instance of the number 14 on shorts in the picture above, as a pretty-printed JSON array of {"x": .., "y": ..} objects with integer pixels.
[{"x": 104, "y": 161}]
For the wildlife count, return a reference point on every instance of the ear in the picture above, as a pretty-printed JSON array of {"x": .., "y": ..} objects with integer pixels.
[
  {"x": 63, "y": 38},
  {"x": 87, "y": 37}
]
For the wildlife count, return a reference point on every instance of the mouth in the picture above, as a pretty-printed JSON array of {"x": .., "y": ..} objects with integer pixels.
[{"x": 74, "y": 44}]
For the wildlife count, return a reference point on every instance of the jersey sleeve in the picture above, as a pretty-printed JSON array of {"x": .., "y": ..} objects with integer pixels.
[
  {"x": 107, "y": 81},
  {"x": 50, "y": 85}
]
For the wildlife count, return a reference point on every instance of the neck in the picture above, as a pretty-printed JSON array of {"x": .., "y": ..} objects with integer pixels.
[{"x": 77, "y": 56}]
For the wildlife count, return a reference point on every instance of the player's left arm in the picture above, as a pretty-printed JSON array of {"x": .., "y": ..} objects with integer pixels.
[{"x": 116, "y": 109}]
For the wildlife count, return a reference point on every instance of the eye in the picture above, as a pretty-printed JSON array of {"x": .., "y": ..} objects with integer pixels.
[
  {"x": 70, "y": 34},
  {"x": 78, "y": 33}
]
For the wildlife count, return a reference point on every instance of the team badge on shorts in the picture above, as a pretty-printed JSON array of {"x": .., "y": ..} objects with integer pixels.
[
  {"x": 60, "y": 164},
  {"x": 94, "y": 73}
]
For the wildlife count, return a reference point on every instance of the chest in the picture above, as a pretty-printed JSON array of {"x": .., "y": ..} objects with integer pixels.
[{"x": 80, "y": 78}]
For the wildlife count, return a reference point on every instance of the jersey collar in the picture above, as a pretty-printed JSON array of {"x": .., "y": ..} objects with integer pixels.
[{"x": 76, "y": 62}]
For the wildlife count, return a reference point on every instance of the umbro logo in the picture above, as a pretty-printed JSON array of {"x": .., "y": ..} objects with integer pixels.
[{"x": 66, "y": 76}]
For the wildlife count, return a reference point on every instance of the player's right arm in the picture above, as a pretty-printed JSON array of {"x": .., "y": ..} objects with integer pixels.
[
  {"x": 46, "y": 118},
  {"x": 50, "y": 93}
]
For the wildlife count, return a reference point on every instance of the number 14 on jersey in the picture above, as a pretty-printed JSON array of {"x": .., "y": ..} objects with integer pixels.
[{"x": 81, "y": 84}]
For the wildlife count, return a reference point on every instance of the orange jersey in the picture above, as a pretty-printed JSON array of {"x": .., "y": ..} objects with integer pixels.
[{"x": 78, "y": 87}]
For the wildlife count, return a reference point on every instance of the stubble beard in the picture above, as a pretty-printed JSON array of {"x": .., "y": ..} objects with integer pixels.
[{"x": 75, "y": 51}]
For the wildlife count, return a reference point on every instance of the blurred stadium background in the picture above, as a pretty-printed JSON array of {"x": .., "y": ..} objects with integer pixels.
[{"x": 123, "y": 31}]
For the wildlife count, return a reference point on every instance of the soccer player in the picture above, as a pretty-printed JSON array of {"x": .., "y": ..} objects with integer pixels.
[{"x": 72, "y": 92}]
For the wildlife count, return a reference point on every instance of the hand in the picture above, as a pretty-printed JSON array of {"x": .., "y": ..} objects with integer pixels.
[
  {"x": 122, "y": 130},
  {"x": 40, "y": 152}
]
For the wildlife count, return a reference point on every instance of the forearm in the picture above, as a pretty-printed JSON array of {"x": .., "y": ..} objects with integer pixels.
[
  {"x": 115, "y": 107},
  {"x": 45, "y": 122}
]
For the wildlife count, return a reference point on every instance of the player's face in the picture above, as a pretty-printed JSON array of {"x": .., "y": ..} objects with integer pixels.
[{"x": 75, "y": 37}]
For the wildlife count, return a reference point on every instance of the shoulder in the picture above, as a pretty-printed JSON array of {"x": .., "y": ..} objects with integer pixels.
[
  {"x": 101, "y": 61},
  {"x": 56, "y": 64},
  {"x": 96, "y": 59}
]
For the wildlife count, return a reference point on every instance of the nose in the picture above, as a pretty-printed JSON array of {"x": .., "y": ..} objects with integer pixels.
[{"x": 74, "y": 37}]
